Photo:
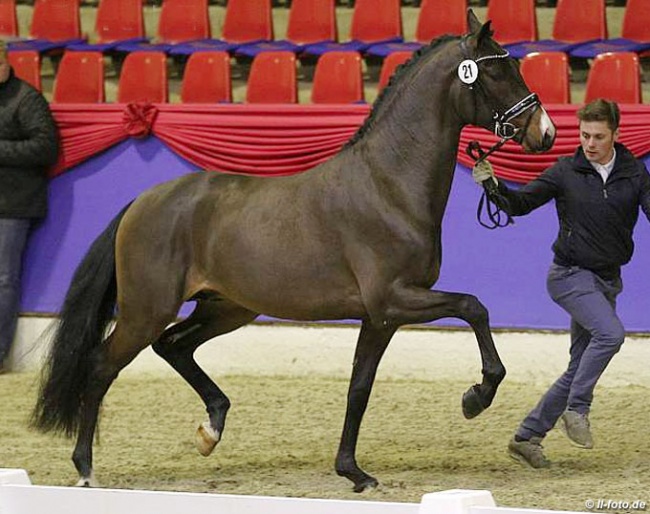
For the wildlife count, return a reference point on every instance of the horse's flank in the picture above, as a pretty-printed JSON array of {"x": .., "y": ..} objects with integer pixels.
[{"x": 264, "y": 248}]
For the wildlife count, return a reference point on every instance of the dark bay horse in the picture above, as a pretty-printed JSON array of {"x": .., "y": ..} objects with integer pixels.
[{"x": 357, "y": 237}]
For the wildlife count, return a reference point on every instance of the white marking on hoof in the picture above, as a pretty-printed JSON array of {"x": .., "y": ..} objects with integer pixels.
[
  {"x": 87, "y": 481},
  {"x": 206, "y": 438}
]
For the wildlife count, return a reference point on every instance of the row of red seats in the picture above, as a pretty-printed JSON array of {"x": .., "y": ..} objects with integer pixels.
[
  {"x": 206, "y": 78},
  {"x": 312, "y": 21},
  {"x": 614, "y": 75},
  {"x": 273, "y": 77}
]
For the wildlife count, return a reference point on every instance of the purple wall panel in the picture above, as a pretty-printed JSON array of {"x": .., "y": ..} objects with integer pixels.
[
  {"x": 82, "y": 202},
  {"x": 505, "y": 268}
]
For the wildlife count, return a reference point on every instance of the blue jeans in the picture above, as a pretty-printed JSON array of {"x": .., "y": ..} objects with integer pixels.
[
  {"x": 596, "y": 336},
  {"x": 13, "y": 237}
]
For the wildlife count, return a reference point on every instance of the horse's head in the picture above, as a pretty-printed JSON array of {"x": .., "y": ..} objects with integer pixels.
[{"x": 494, "y": 95}]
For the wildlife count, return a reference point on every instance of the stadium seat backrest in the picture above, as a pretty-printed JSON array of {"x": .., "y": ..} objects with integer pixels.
[
  {"x": 636, "y": 20},
  {"x": 272, "y": 79},
  {"x": 376, "y": 20},
  {"x": 580, "y": 20},
  {"x": 513, "y": 20},
  {"x": 547, "y": 74},
  {"x": 143, "y": 78},
  {"x": 183, "y": 20},
  {"x": 118, "y": 20},
  {"x": 338, "y": 78},
  {"x": 390, "y": 64},
  {"x": 438, "y": 17},
  {"x": 80, "y": 78},
  {"x": 248, "y": 20},
  {"x": 207, "y": 78},
  {"x": 27, "y": 66},
  {"x": 615, "y": 76},
  {"x": 311, "y": 21},
  {"x": 8, "y": 18},
  {"x": 55, "y": 20}
]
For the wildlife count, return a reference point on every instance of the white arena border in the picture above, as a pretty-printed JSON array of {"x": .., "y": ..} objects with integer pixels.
[{"x": 18, "y": 496}]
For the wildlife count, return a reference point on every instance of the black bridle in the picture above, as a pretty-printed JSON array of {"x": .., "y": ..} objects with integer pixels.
[{"x": 505, "y": 131}]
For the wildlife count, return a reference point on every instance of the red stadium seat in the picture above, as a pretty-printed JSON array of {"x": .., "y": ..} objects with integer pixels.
[
  {"x": 27, "y": 66},
  {"x": 118, "y": 20},
  {"x": 247, "y": 20},
  {"x": 615, "y": 76},
  {"x": 8, "y": 19},
  {"x": 636, "y": 20},
  {"x": 143, "y": 78},
  {"x": 311, "y": 21},
  {"x": 438, "y": 17},
  {"x": 80, "y": 78},
  {"x": 513, "y": 21},
  {"x": 56, "y": 20},
  {"x": 580, "y": 20},
  {"x": 376, "y": 20},
  {"x": 391, "y": 62},
  {"x": 338, "y": 78},
  {"x": 578, "y": 24},
  {"x": 207, "y": 78},
  {"x": 272, "y": 78},
  {"x": 547, "y": 74},
  {"x": 183, "y": 20}
]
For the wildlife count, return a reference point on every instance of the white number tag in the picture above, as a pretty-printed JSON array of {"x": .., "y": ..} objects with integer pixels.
[{"x": 468, "y": 71}]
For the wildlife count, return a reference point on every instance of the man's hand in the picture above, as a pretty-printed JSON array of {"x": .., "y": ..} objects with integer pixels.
[{"x": 482, "y": 172}]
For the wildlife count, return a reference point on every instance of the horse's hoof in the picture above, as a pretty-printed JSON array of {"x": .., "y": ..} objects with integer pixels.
[
  {"x": 87, "y": 482},
  {"x": 206, "y": 438},
  {"x": 367, "y": 484},
  {"x": 472, "y": 405}
]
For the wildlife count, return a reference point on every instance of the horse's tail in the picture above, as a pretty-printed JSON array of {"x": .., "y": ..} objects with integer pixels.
[{"x": 87, "y": 310}]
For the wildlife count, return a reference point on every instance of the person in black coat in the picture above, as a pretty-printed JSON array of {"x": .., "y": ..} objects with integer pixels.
[
  {"x": 28, "y": 146},
  {"x": 598, "y": 192}
]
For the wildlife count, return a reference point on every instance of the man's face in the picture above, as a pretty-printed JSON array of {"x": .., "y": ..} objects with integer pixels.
[
  {"x": 597, "y": 141},
  {"x": 4, "y": 67}
]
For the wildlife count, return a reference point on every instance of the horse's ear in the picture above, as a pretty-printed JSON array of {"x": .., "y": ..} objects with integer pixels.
[
  {"x": 472, "y": 22},
  {"x": 485, "y": 32}
]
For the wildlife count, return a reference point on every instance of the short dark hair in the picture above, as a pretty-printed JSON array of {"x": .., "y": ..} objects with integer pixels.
[{"x": 601, "y": 110}]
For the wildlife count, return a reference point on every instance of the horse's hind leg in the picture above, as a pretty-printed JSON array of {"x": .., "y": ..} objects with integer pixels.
[
  {"x": 371, "y": 346},
  {"x": 423, "y": 305},
  {"x": 177, "y": 344},
  {"x": 120, "y": 348}
]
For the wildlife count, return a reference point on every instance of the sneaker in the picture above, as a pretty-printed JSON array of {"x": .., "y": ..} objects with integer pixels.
[
  {"x": 576, "y": 428},
  {"x": 529, "y": 453}
]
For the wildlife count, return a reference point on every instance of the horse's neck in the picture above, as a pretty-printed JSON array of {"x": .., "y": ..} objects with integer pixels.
[{"x": 411, "y": 153}]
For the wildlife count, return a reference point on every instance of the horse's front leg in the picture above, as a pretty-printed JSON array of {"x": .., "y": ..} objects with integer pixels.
[
  {"x": 370, "y": 347},
  {"x": 415, "y": 305}
]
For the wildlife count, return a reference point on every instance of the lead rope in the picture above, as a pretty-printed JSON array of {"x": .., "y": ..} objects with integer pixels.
[{"x": 498, "y": 217}]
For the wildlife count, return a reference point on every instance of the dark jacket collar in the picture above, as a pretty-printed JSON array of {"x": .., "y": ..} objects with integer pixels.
[{"x": 625, "y": 162}]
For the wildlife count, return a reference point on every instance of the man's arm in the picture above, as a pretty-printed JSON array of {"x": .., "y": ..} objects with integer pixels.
[
  {"x": 39, "y": 145},
  {"x": 522, "y": 201}
]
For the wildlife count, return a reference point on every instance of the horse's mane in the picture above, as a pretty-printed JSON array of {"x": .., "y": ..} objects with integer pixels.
[{"x": 394, "y": 81}]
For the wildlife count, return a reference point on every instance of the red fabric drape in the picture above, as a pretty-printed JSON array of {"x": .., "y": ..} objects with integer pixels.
[
  {"x": 286, "y": 139},
  {"x": 264, "y": 139}
]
